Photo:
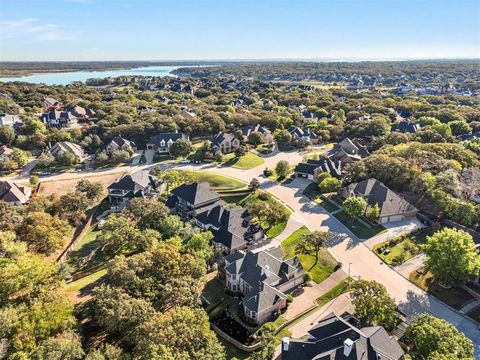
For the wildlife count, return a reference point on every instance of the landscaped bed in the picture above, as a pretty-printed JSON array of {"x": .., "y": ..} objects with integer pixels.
[
  {"x": 326, "y": 263},
  {"x": 403, "y": 248},
  {"x": 312, "y": 192},
  {"x": 357, "y": 227},
  {"x": 456, "y": 297},
  {"x": 225, "y": 322}
]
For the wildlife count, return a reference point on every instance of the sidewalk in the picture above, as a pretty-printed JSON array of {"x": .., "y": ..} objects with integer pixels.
[{"x": 307, "y": 299}]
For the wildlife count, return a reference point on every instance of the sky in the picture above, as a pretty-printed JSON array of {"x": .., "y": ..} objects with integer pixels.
[{"x": 66, "y": 30}]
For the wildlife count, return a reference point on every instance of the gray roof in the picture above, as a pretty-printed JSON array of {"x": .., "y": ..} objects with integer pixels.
[
  {"x": 406, "y": 127},
  {"x": 221, "y": 137},
  {"x": 327, "y": 340},
  {"x": 248, "y": 129},
  {"x": 375, "y": 192},
  {"x": 350, "y": 147},
  {"x": 155, "y": 140},
  {"x": 135, "y": 182},
  {"x": 68, "y": 146},
  {"x": 305, "y": 132},
  {"x": 120, "y": 141},
  {"x": 196, "y": 194}
]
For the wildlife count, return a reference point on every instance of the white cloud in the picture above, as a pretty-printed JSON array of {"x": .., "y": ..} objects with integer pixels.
[{"x": 10, "y": 29}]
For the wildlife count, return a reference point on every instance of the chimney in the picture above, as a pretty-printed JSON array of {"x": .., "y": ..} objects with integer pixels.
[
  {"x": 285, "y": 343},
  {"x": 347, "y": 347},
  {"x": 266, "y": 271}
]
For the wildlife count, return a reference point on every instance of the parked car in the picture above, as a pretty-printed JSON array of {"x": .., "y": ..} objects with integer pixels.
[{"x": 185, "y": 161}]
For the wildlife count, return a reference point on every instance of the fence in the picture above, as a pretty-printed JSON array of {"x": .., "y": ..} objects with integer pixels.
[{"x": 77, "y": 238}]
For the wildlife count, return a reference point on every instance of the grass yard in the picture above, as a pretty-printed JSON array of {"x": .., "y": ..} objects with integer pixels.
[
  {"x": 342, "y": 287},
  {"x": 214, "y": 290},
  {"x": 217, "y": 181},
  {"x": 312, "y": 192},
  {"x": 326, "y": 263},
  {"x": 61, "y": 187},
  {"x": 397, "y": 251},
  {"x": 245, "y": 162},
  {"x": 80, "y": 289},
  {"x": 276, "y": 230},
  {"x": 359, "y": 229},
  {"x": 456, "y": 297}
]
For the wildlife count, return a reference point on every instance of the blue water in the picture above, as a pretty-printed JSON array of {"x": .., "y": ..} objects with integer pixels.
[{"x": 68, "y": 77}]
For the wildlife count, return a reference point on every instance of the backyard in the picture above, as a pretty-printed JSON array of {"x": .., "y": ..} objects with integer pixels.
[
  {"x": 403, "y": 248},
  {"x": 60, "y": 187},
  {"x": 326, "y": 263}
]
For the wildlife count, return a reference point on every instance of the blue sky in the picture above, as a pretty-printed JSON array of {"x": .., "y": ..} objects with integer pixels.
[{"x": 238, "y": 29}]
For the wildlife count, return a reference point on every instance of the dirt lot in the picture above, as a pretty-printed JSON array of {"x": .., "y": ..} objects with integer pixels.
[{"x": 61, "y": 187}]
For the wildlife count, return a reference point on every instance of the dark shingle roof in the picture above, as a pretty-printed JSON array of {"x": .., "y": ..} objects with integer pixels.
[
  {"x": 406, "y": 127},
  {"x": 221, "y": 137},
  {"x": 306, "y": 168},
  {"x": 195, "y": 194},
  {"x": 135, "y": 182},
  {"x": 166, "y": 137},
  {"x": 375, "y": 192}
]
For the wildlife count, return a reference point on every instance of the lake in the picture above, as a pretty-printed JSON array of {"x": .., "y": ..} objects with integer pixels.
[{"x": 66, "y": 78}]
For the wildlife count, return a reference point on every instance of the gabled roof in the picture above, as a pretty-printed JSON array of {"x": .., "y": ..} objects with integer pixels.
[
  {"x": 264, "y": 298},
  {"x": 248, "y": 129},
  {"x": 196, "y": 193},
  {"x": 375, "y": 192},
  {"x": 155, "y": 140},
  {"x": 11, "y": 192},
  {"x": 302, "y": 132},
  {"x": 135, "y": 182},
  {"x": 327, "y": 341},
  {"x": 350, "y": 147},
  {"x": 221, "y": 137},
  {"x": 406, "y": 127},
  {"x": 306, "y": 168},
  {"x": 120, "y": 141},
  {"x": 68, "y": 146}
]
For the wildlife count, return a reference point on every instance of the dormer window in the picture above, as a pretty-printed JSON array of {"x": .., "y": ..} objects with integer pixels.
[{"x": 162, "y": 143}]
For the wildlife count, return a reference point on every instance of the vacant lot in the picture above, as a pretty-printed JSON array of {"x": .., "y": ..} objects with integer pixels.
[{"x": 60, "y": 187}]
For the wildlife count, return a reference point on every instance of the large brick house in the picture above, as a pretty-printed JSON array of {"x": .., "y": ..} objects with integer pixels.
[
  {"x": 162, "y": 143},
  {"x": 225, "y": 142}
]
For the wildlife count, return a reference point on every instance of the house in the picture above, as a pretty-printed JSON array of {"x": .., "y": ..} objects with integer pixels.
[
  {"x": 393, "y": 207},
  {"x": 304, "y": 135},
  {"x": 5, "y": 152},
  {"x": 334, "y": 338},
  {"x": 9, "y": 120},
  {"x": 14, "y": 194},
  {"x": 187, "y": 114},
  {"x": 119, "y": 143},
  {"x": 232, "y": 228},
  {"x": 59, "y": 119},
  {"x": 81, "y": 113},
  {"x": 464, "y": 137},
  {"x": 62, "y": 147},
  {"x": 262, "y": 278},
  {"x": 225, "y": 142},
  {"x": 162, "y": 142},
  {"x": 137, "y": 185},
  {"x": 248, "y": 129},
  {"x": 49, "y": 103},
  {"x": 347, "y": 151},
  {"x": 313, "y": 168},
  {"x": 406, "y": 127}
]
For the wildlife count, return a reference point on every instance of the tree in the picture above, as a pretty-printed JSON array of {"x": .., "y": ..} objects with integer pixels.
[
  {"x": 119, "y": 234},
  {"x": 91, "y": 189},
  {"x": 240, "y": 151},
  {"x": 66, "y": 347},
  {"x": 254, "y": 184},
  {"x": 373, "y": 305},
  {"x": 373, "y": 213},
  {"x": 120, "y": 156},
  {"x": 283, "y": 137},
  {"x": 181, "y": 148},
  {"x": 459, "y": 128},
  {"x": 183, "y": 331},
  {"x": 434, "y": 338},
  {"x": 7, "y": 135},
  {"x": 329, "y": 185},
  {"x": 312, "y": 243},
  {"x": 68, "y": 159},
  {"x": 200, "y": 245},
  {"x": 266, "y": 337},
  {"x": 42, "y": 232},
  {"x": 282, "y": 169},
  {"x": 34, "y": 180},
  {"x": 107, "y": 352},
  {"x": 451, "y": 256},
  {"x": 354, "y": 206},
  {"x": 174, "y": 178},
  {"x": 72, "y": 202},
  {"x": 149, "y": 213},
  {"x": 20, "y": 158},
  {"x": 255, "y": 138}
]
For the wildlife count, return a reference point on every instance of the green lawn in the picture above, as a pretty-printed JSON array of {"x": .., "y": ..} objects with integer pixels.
[
  {"x": 245, "y": 162},
  {"x": 342, "y": 287},
  {"x": 312, "y": 192},
  {"x": 218, "y": 181},
  {"x": 276, "y": 230},
  {"x": 456, "y": 297},
  {"x": 80, "y": 284},
  {"x": 325, "y": 265},
  {"x": 397, "y": 251},
  {"x": 197, "y": 154},
  {"x": 355, "y": 226}
]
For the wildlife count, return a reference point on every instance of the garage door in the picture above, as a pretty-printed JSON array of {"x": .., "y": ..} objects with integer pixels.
[
  {"x": 396, "y": 218},
  {"x": 310, "y": 177}
]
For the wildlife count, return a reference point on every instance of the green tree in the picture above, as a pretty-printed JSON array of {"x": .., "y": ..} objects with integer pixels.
[
  {"x": 67, "y": 347},
  {"x": 255, "y": 138},
  {"x": 120, "y": 156},
  {"x": 20, "y": 158},
  {"x": 373, "y": 305},
  {"x": 68, "y": 159},
  {"x": 373, "y": 213},
  {"x": 329, "y": 185},
  {"x": 254, "y": 184},
  {"x": 200, "y": 244},
  {"x": 183, "y": 331},
  {"x": 7, "y": 135},
  {"x": 91, "y": 189},
  {"x": 34, "y": 180},
  {"x": 42, "y": 232},
  {"x": 434, "y": 338},
  {"x": 119, "y": 234},
  {"x": 265, "y": 336},
  {"x": 283, "y": 137},
  {"x": 355, "y": 206},
  {"x": 107, "y": 352},
  {"x": 451, "y": 256},
  {"x": 149, "y": 213},
  {"x": 312, "y": 243},
  {"x": 181, "y": 148},
  {"x": 282, "y": 169}
]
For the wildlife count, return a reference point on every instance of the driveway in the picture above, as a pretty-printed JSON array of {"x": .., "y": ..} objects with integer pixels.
[{"x": 394, "y": 230}]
